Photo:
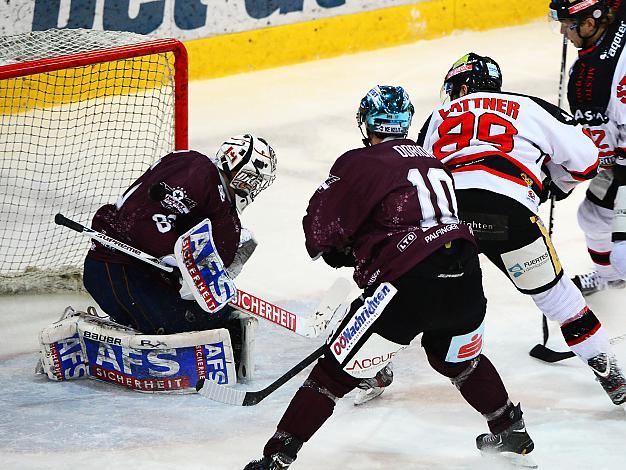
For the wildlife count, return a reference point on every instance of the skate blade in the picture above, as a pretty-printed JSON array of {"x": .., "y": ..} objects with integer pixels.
[
  {"x": 363, "y": 396},
  {"x": 516, "y": 460}
]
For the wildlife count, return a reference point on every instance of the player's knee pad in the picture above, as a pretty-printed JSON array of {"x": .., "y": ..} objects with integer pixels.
[
  {"x": 560, "y": 302},
  {"x": 456, "y": 372},
  {"x": 618, "y": 258},
  {"x": 329, "y": 375},
  {"x": 535, "y": 267}
]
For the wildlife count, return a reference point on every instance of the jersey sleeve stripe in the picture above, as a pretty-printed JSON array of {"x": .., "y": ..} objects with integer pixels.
[{"x": 586, "y": 174}]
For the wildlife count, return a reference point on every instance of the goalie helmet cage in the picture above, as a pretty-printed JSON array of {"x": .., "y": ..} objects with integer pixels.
[{"x": 83, "y": 113}]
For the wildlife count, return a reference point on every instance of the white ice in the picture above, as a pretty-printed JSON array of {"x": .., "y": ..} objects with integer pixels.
[{"x": 307, "y": 113}]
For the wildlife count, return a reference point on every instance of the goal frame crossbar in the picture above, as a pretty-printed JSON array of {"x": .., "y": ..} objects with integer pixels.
[{"x": 129, "y": 51}]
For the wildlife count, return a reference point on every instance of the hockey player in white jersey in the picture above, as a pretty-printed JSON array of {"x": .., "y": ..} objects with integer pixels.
[
  {"x": 496, "y": 145},
  {"x": 597, "y": 98}
]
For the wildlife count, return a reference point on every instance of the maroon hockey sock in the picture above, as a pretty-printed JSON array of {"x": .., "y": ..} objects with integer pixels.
[
  {"x": 480, "y": 385},
  {"x": 314, "y": 402}
]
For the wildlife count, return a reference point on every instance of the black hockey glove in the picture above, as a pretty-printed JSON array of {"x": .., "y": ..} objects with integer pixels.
[
  {"x": 552, "y": 190},
  {"x": 339, "y": 258}
]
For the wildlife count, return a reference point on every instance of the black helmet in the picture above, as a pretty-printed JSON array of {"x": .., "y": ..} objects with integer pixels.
[
  {"x": 574, "y": 9},
  {"x": 476, "y": 72}
]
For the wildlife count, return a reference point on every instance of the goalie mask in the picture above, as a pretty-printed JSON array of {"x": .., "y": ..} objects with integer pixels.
[
  {"x": 249, "y": 163},
  {"x": 476, "y": 72},
  {"x": 385, "y": 111}
]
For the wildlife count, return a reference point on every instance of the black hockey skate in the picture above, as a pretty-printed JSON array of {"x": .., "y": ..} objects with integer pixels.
[
  {"x": 591, "y": 283},
  {"x": 371, "y": 388},
  {"x": 275, "y": 462},
  {"x": 283, "y": 448},
  {"x": 513, "y": 444},
  {"x": 609, "y": 375}
]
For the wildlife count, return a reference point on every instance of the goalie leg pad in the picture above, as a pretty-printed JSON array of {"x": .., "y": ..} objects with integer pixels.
[
  {"x": 156, "y": 363},
  {"x": 61, "y": 354}
]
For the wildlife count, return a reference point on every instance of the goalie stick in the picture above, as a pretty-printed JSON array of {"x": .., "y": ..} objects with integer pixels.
[
  {"x": 309, "y": 327},
  {"x": 545, "y": 354},
  {"x": 216, "y": 392}
]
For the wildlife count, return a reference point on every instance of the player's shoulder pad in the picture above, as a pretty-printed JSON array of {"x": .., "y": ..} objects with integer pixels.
[{"x": 557, "y": 113}]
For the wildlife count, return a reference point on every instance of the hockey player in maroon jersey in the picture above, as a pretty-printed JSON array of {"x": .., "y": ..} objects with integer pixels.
[
  {"x": 172, "y": 196},
  {"x": 597, "y": 98},
  {"x": 389, "y": 210},
  {"x": 496, "y": 145}
]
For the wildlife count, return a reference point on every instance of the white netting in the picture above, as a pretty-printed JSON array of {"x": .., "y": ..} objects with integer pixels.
[{"x": 70, "y": 141}]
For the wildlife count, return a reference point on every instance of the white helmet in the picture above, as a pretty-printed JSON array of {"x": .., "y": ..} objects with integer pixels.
[{"x": 250, "y": 164}]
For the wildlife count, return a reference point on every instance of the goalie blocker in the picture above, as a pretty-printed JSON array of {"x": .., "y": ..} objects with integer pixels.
[{"x": 83, "y": 344}]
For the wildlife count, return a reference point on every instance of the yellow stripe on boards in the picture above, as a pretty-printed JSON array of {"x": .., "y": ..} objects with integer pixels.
[
  {"x": 82, "y": 84},
  {"x": 281, "y": 45}
]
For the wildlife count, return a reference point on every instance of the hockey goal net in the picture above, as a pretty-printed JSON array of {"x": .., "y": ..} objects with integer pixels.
[{"x": 82, "y": 115}]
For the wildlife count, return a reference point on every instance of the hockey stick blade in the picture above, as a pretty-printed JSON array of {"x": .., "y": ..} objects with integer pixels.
[
  {"x": 334, "y": 297},
  {"x": 546, "y": 354},
  {"x": 222, "y": 394}
]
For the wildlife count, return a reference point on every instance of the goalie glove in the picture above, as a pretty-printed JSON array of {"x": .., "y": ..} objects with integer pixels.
[{"x": 247, "y": 245}]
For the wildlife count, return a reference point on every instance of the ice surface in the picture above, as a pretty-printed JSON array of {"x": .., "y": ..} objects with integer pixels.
[{"x": 307, "y": 113}]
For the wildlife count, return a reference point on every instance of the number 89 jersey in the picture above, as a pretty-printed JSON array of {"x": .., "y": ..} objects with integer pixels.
[{"x": 499, "y": 141}]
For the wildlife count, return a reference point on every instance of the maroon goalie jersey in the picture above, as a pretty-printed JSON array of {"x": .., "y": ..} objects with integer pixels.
[
  {"x": 393, "y": 204},
  {"x": 176, "y": 193}
]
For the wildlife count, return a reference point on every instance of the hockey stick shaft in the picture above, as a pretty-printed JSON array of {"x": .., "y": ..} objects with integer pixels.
[
  {"x": 243, "y": 301},
  {"x": 60, "y": 219},
  {"x": 544, "y": 320},
  {"x": 222, "y": 394}
]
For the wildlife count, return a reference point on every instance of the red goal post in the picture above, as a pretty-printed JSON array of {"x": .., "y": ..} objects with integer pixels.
[{"x": 82, "y": 114}]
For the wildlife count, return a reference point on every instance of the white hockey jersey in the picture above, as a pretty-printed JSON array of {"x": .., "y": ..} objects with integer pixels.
[
  {"x": 597, "y": 98},
  {"x": 499, "y": 142}
]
